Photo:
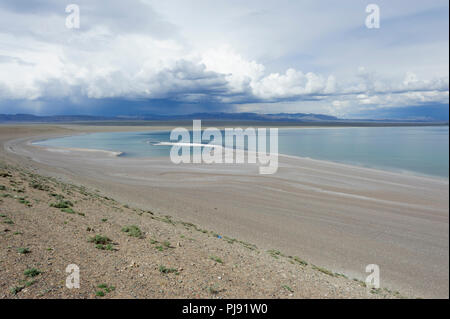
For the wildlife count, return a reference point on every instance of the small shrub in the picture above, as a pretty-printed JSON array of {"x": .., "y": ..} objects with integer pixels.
[
  {"x": 39, "y": 186},
  {"x": 16, "y": 289},
  {"x": 32, "y": 272},
  {"x": 275, "y": 253},
  {"x": 68, "y": 210},
  {"x": 23, "y": 250},
  {"x": 104, "y": 247},
  {"x": 323, "y": 270},
  {"x": 99, "y": 239},
  {"x": 106, "y": 288},
  {"x": 62, "y": 204},
  {"x": 132, "y": 230},
  {"x": 165, "y": 270},
  {"x": 57, "y": 196},
  {"x": 300, "y": 261},
  {"x": 287, "y": 288},
  {"x": 213, "y": 290},
  {"x": 5, "y": 174},
  {"x": 216, "y": 259}
]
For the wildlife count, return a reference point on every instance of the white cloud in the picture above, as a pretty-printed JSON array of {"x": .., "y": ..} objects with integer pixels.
[{"x": 241, "y": 55}]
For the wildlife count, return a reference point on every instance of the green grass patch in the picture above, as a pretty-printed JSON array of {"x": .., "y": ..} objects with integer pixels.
[
  {"x": 216, "y": 259},
  {"x": 104, "y": 247},
  {"x": 32, "y": 272},
  {"x": 133, "y": 231},
  {"x": 16, "y": 289},
  {"x": 299, "y": 261},
  {"x": 62, "y": 204},
  {"x": 275, "y": 253},
  {"x": 106, "y": 288},
  {"x": 165, "y": 270},
  {"x": 99, "y": 239},
  {"x": 323, "y": 270},
  {"x": 23, "y": 250},
  {"x": 167, "y": 244},
  {"x": 39, "y": 186},
  {"x": 68, "y": 210},
  {"x": 287, "y": 288}
]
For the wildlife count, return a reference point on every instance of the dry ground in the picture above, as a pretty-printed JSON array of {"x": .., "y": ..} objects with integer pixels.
[{"x": 168, "y": 259}]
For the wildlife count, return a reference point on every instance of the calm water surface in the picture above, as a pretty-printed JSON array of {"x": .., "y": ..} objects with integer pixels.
[{"x": 421, "y": 150}]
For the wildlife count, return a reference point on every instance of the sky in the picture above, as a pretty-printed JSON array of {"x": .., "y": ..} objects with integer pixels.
[{"x": 140, "y": 57}]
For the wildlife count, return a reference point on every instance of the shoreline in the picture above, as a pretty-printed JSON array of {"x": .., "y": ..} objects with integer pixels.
[
  {"x": 274, "y": 220},
  {"x": 119, "y": 153}
]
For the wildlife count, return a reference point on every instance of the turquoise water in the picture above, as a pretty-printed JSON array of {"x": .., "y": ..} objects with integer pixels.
[{"x": 421, "y": 150}]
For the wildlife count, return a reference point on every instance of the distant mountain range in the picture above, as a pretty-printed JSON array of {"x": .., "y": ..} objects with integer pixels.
[{"x": 220, "y": 116}]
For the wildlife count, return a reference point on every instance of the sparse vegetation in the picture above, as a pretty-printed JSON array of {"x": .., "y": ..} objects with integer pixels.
[
  {"x": 62, "y": 204},
  {"x": 68, "y": 210},
  {"x": 165, "y": 270},
  {"x": 213, "y": 290},
  {"x": 323, "y": 270},
  {"x": 375, "y": 291},
  {"x": 216, "y": 259},
  {"x": 75, "y": 197},
  {"x": 106, "y": 289},
  {"x": 275, "y": 253},
  {"x": 299, "y": 261},
  {"x": 39, "y": 185},
  {"x": 24, "y": 201},
  {"x": 16, "y": 289},
  {"x": 133, "y": 231},
  {"x": 23, "y": 250},
  {"x": 99, "y": 239},
  {"x": 287, "y": 288},
  {"x": 104, "y": 247},
  {"x": 32, "y": 272},
  {"x": 8, "y": 221},
  {"x": 101, "y": 242}
]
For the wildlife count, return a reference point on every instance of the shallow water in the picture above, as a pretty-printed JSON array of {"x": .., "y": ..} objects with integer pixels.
[{"x": 420, "y": 150}]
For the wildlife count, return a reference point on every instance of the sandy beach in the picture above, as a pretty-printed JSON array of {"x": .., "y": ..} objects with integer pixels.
[{"x": 337, "y": 216}]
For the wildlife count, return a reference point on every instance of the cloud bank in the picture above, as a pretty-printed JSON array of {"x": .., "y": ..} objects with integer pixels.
[{"x": 263, "y": 56}]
